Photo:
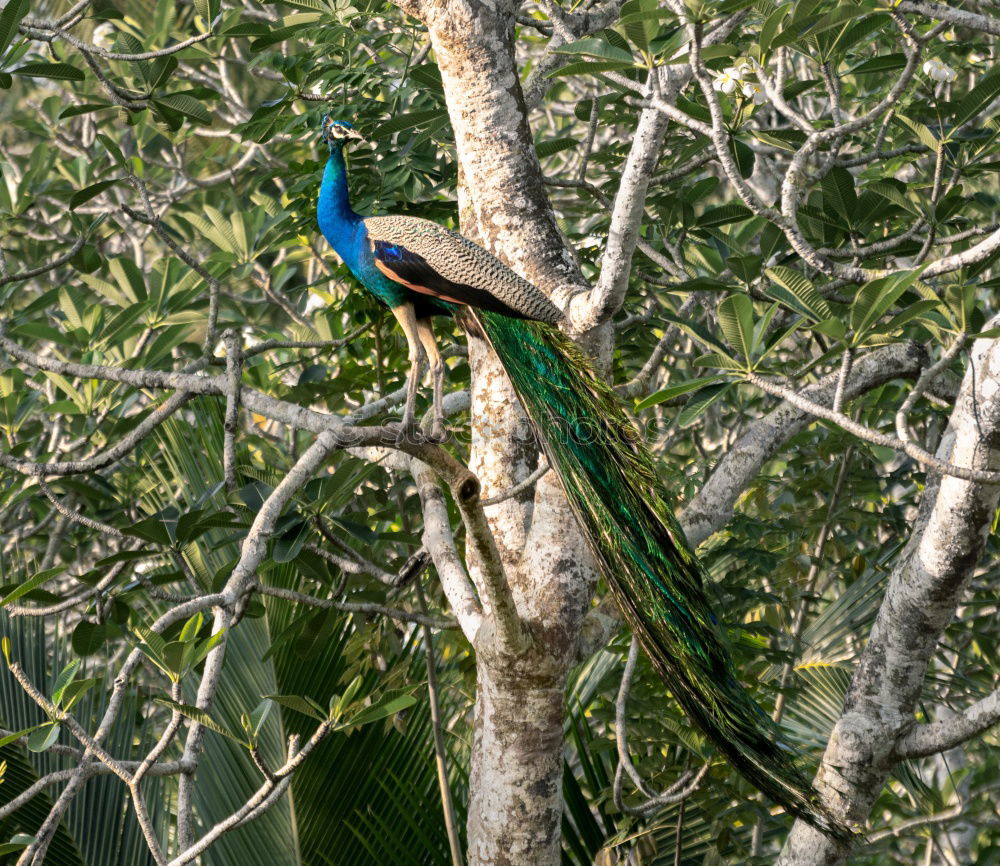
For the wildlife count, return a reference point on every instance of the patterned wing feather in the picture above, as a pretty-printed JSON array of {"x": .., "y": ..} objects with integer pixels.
[{"x": 431, "y": 259}]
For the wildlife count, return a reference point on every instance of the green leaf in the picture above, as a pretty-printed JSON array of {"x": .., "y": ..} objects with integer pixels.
[
  {"x": 88, "y": 192},
  {"x": 590, "y": 67},
  {"x": 61, "y": 71},
  {"x": 338, "y": 706},
  {"x": 797, "y": 88},
  {"x": 289, "y": 543},
  {"x": 674, "y": 391},
  {"x": 202, "y": 718},
  {"x": 719, "y": 361},
  {"x": 884, "y": 63},
  {"x": 30, "y": 584},
  {"x": 247, "y": 28},
  {"x": 746, "y": 268},
  {"x": 13, "y": 847},
  {"x": 889, "y": 191},
  {"x": 112, "y": 148},
  {"x": 75, "y": 690},
  {"x": 914, "y": 311},
  {"x": 274, "y": 37},
  {"x": 723, "y": 215},
  {"x": 300, "y": 705},
  {"x": 811, "y": 25},
  {"x": 10, "y": 738},
  {"x": 831, "y": 327},
  {"x": 979, "y": 97},
  {"x": 927, "y": 138},
  {"x": 382, "y": 710},
  {"x": 408, "y": 120},
  {"x": 696, "y": 330},
  {"x": 185, "y": 104},
  {"x": 770, "y": 27},
  {"x": 744, "y": 158},
  {"x": 553, "y": 146},
  {"x": 795, "y": 291},
  {"x": 191, "y": 628},
  {"x": 43, "y": 737},
  {"x": 173, "y": 657},
  {"x": 838, "y": 193},
  {"x": 876, "y": 297},
  {"x": 257, "y": 718},
  {"x": 700, "y": 402},
  {"x": 851, "y": 33},
  {"x": 207, "y": 9},
  {"x": 198, "y": 651},
  {"x": 88, "y": 638},
  {"x": 159, "y": 71},
  {"x": 151, "y": 529},
  {"x": 10, "y": 16},
  {"x": 595, "y": 47},
  {"x": 786, "y": 139},
  {"x": 66, "y": 676},
  {"x": 153, "y": 640},
  {"x": 736, "y": 320}
]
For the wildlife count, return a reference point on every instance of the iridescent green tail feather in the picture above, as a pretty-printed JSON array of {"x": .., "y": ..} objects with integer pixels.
[{"x": 608, "y": 477}]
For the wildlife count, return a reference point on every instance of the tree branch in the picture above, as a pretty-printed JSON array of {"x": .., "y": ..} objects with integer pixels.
[{"x": 934, "y": 737}]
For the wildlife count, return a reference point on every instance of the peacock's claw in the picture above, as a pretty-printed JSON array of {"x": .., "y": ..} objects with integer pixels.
[
  {"x": 405, "y": 432},
  {"x": 438, "y": 432}
]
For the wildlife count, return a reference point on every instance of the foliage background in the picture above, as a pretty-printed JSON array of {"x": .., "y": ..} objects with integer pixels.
[{"x": 223, "y": 135}]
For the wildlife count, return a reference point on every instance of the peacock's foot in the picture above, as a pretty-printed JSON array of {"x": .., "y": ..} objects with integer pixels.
[
  {"x": 406, "y": 432},
  {"x": 438, "y": 433}
]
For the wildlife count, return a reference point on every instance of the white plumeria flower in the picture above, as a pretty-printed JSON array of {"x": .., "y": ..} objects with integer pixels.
[
  {"x": 754, "y": 92},
  {"x": 939, "y": 71},
  {"x": 727, "y": 80}
]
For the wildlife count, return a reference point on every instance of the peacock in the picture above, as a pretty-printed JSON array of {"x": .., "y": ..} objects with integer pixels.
[{"x": 420, "y": 269}]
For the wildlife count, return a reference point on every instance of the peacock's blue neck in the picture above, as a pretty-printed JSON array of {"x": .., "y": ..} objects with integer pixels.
[{"x": 336, "y": 219}]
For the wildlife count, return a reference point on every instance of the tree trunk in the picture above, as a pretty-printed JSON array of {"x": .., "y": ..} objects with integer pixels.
[
  {"x": 515, "y": 803},
  {"x": 515, "y": 785}
]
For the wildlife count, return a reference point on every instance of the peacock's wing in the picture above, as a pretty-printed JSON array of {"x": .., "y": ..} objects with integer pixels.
[{"x": 433, "y": 260}]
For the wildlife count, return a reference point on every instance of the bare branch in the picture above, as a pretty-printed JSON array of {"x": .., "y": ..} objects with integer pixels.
[
  {"x": 99, "y": 461},
  {"x": 959, "y": 17},
  {"x": 44, "y": 269},
  {"x": 934, "y": 737},
  {"x": 234, "y": 369},
  {"x": 356, "y": 607},
  {"x": 680, "y": 790},
  {"x": 441, "y": 757},
  {"x": 923, "y": 457},
  {"x": 440, "y": 542},
  {"x": 712, "y": 506}
]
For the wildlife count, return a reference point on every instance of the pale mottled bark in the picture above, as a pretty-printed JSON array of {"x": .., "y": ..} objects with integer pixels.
[
  {"x": 516, "y": 771},
  {"x": 925, "y": 587},
  {"x": 473, "y": 43},
  {"x": 626, "y": 219},
  {"x": 515, "y": 774},
  {"x": 515, "y": 788}
]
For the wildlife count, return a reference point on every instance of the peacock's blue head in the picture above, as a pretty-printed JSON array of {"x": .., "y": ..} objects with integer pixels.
[{"x": 337, "y": 132}]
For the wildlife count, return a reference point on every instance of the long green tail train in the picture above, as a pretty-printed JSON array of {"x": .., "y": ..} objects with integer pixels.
[{"x": 608, "y": 477}]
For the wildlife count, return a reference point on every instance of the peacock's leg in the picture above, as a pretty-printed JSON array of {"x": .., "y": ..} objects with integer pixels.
[
  {"x": 426, "y": 333},
  {"x": 407, "y": 319}
]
